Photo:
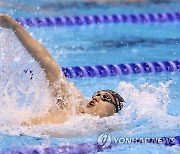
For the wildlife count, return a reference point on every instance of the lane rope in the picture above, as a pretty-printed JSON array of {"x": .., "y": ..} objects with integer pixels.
[
  {"x": 117, "y": 69},
  {"x": 93, "y": 147},
  {"x": 121, "y": 69},
  {"x": 100, "y": 19}
]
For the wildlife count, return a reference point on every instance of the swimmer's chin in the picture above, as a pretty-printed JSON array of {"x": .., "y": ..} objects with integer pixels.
[{"x": 87, "y": 112}]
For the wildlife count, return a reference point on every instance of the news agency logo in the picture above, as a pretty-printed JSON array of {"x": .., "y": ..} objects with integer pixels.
[{"x": 104, "y": 140}]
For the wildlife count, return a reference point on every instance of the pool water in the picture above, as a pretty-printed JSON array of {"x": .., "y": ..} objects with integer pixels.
[{"x": 152, "y": 100}]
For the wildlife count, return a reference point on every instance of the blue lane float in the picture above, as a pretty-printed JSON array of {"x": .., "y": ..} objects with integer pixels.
[
  {"x": 93, "y": 147},
  {"x": 117, "y": 69},
  {"x": 121, "y": 69},
  {"x": 100, "y": 19}
]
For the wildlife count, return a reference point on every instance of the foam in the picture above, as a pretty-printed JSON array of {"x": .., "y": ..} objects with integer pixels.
[{"x": 146, "y": 109}]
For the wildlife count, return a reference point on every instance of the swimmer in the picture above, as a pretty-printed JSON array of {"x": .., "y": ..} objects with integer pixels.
[{"x": 103, "y": 103}]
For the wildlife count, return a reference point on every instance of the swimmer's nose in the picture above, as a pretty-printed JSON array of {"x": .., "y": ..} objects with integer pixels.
[{"x": 96, "y": 98}]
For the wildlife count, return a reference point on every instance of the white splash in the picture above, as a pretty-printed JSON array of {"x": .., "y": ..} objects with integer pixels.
[
  {"x": 20, "y": 95},
  {"x": 145, "y": 111}
]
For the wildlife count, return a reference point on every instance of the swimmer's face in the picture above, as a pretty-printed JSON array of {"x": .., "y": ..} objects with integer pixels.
[{"x": 101, "y": 105}]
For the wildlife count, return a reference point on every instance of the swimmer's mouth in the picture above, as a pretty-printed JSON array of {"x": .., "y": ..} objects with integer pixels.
[{"x": 91, "y": 104}]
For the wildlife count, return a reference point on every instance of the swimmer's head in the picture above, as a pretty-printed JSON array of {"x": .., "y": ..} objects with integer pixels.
[{"x": 104, "y": 103}]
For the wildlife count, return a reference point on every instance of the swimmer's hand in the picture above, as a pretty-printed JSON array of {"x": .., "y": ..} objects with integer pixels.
[{"x": 7, "y": 22}]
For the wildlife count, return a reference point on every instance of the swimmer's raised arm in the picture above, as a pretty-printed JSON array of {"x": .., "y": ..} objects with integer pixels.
[
  {"x": 103, "y": 103},
  {"x": 40, "y": 53}
]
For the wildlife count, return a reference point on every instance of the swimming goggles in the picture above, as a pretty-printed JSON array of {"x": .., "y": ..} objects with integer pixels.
[
  {"x": 104, "y": 97},
  {"x": 118, "y": 101}
]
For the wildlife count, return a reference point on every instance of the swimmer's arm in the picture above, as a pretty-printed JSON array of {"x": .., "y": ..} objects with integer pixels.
[
  {"x": 34, "y": 121},
  {"x": 41, "y": 120},
  {"x": 39, "y": 52},
  {"x": 37, "y": 121},
  {"x": 55, "y": 117}
]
